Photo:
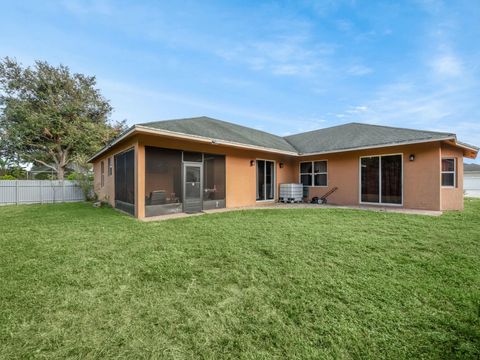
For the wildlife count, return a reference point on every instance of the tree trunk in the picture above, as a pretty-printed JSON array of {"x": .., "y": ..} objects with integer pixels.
[
  {"x": 60, "y": 173},
  {"x": 62, "y": 164}
]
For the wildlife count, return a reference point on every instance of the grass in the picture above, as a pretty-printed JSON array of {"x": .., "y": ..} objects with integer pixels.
[{"x": 79, "y": 282}]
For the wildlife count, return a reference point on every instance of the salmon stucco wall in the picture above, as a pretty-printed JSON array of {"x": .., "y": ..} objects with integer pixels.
[
  {"x": 452, "y": 198},
  {"x": 421, "y": 177},
  {"x": 107, "y": 192},
  {"x": 240, "y": 174}
]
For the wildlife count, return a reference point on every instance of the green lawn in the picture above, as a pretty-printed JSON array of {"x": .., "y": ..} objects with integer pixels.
[{"x": 79, "y": 282}]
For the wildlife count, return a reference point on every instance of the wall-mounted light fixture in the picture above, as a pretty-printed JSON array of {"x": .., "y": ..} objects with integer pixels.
[
  {"x": 281, "y": 165},
  {"x": 252, "y": 162},
  {"x": 411, "y": 157}
]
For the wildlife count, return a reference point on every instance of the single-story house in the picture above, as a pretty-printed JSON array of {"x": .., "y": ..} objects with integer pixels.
[
  {"x": 471, "y": 174},
  {"x": 188, "y": 165}
]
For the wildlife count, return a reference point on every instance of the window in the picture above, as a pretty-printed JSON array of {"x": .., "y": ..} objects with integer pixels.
[
  {"x": 314, "y": 173},
  {"x": 102, "y": 172},
  {"x": 449, "y": 176},
  {"x": 110, "y": 167}
]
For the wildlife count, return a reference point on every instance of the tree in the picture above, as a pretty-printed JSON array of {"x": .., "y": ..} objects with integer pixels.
[
  {"x": 3, "y": 166},
  {"x": 50, "y": 116}
]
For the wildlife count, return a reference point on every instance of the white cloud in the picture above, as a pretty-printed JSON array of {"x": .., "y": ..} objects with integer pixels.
[
  {"x": 138, "y": 104},
  {"x": 357, "y": 110},
  {"x": 359, "y": 70},
  {"x": 447, "y": 65},
  {"x": 284, "y": 55},
  {"x": 419, "y": 105}
]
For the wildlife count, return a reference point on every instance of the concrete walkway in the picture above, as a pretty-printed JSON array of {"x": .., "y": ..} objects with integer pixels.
[{"x": 299, "y": 206}]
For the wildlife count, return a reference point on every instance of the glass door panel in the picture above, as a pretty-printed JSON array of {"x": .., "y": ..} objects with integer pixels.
[
  {"x": 193, "y": 188},
  {"x": 269, "y": 179},
  {"x": 391, "y": 179},
  {"x": 370, "y": 170},
  {"x": 260, "y": 180},
  {"x": 265, "y": 180}
]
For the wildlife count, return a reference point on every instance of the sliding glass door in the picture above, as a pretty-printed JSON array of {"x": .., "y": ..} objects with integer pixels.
[
  {"x": 381, "y": 179},
  {"x": 265, "y": 180}
]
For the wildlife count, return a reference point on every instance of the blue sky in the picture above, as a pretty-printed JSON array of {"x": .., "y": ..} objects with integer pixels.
[{"x": 282, "y": 67}]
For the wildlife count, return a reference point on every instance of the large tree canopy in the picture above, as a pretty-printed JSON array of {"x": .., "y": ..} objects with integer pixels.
[{"x": 51, "y": 116}]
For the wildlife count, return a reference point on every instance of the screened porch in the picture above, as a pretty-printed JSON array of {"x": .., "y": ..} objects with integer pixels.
[{"x": 181, "y": 181}]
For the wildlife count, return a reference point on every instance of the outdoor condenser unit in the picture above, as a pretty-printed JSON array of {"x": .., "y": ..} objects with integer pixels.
[{"x": 291, "y": 193}]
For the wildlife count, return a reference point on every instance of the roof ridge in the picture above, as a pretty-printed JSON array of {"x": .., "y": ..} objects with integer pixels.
[
  {"x": 218, "y": 120},
  {"x": 402, "y": 128},
  {"x": 311, "y": 131},
  {"x": 176, "y": 119},
  {"x": 373, "y": 125}
]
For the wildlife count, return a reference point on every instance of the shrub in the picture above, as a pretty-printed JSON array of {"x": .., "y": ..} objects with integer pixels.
[
  {"x": 85, "y": 181},
  {"x": 8, "y": 177}
]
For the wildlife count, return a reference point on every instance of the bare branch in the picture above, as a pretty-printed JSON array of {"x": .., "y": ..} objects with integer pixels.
[{"x": 45, "y": 164}]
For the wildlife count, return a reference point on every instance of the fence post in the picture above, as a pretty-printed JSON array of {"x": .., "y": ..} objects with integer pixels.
[
  {"x": 41, "y": 191},
  {"x": 63, "y": 190},
  {"x": 16, "y": 192}
]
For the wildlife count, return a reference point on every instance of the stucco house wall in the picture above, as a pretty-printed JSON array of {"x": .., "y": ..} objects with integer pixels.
[
  {"x": 452, "y": 198},
  {"x": 421, "y": 177},
  {"x": 107, "y": 192},
  {"x": 240, "y": 174}
]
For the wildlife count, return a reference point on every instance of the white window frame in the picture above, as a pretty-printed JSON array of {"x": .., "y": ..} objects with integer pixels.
[
  {"x": 313, "y": 173},
  {"x": 110, "y": 166},
  {"x": 454, "y": 172},
  {"x": 265, "y": 180},
  {"x": 380, "y": 203},
  {"x": 102, "y": 173}
]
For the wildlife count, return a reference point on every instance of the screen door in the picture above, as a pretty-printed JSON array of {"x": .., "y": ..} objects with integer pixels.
[{"x": 192, "y": 187}]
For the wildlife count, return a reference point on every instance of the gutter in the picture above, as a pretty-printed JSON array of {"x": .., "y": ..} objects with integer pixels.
[{"x": 467, "y": 146}]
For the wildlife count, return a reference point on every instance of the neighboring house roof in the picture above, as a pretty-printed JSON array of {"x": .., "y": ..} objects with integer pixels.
[
  {"x": 222, "y": 130},
  {"x": 345, "y": 137},
  {"x": 471, "y": 167},
  {"x": 356, "y": 135}
]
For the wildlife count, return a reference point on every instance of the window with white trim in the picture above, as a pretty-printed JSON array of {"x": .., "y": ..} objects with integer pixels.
[
  {"x": 110, "y": 166},
  {"x": 102, "y": 174},
  {"x": 449, "y": 172},
  {"x": 314, "y": 173}
]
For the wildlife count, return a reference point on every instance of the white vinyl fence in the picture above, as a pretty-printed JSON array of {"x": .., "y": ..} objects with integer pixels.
[
  {"x": 39, "y": 191},
  {"x": 471, "y": 185}
]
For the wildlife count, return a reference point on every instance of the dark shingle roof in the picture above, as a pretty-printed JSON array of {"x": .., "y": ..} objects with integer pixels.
[
  {"x": 222, "y": 130},
  {"x": 356, "y": 135},
  {"x": 337, "y": 138}
]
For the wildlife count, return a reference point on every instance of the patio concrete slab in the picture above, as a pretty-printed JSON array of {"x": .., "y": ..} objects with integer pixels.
[{"x": 299, "y": 206}]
